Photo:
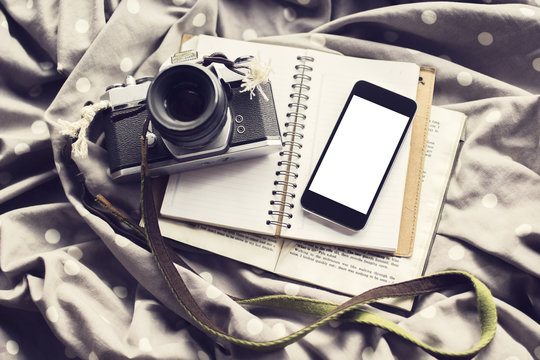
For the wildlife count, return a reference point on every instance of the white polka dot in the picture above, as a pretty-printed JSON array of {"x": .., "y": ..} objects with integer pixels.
[
  {"x": 249, "y": 34},
  {"x": 199, "y": 20},
  {"x": 144, "y": 345},
  {"x": 523, "y": 230},
  {"x": 82, "y": 26},
  {"x": 22, "y": 148},
  {"x": 46, "y": 65},
  {"x": 39, "y": 127},
  {"x": 493, "y": 116},
  {"x": 52, "y": 314},
  {"x": 485, "y": 38},
  {"x": 537, "y": 349},
  {"x": 279, "y": 329},
  {"x": 12, "y": 347},
  {"x": 83, "y": 85},
  {"x": 456, "y": 252},
  {"x": 536, "y": 64},
  {"x": 304, "y": 2},
  {"x": 318, "y": 39},
  {"x": 289, "y": 14},
  {"x": 133, "y": 6},
  {"x": 30, "y": 4},
  {"x": 367, "y": 353},
  {"x": 212, "y": 292},
  {"x": 52, "y": 236},
  {"x": 429, "y": 17},
  {"x": 490, "y": 201},
  {"x": 255, "y": 326},
  {"x": 201, "y": 355},
  {"x": 121, "y": 241},
  {"x": 75, "y": 252},
  {"x": 429, "y": 313},
  {"x": 207, "y": 276},
  {"x": 4, "y": 24},
  {"x": 71, "y": 268},
  {"x": 527, "y": 11},
  {"x": 120, "y": 291},
  {"x": 92, "y": 356},
  {"x": 390, "y": 36},
  {"x": 464, "y": 78},
  {"x": 35, "y": 91},
  {"x": 292, "y": 289},
  {"x": 126, "y": 64}
]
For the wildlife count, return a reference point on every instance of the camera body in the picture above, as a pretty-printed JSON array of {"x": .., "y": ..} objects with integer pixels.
[{"x": 199, "y": 116}]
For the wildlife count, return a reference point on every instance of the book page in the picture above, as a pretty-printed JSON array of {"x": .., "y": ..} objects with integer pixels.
[
  {"x": 256, "y": 250},
  {"x": 353, "y": 271}
]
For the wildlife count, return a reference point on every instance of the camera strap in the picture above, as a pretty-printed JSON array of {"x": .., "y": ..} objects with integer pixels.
[{"x": 353, "y": 310}]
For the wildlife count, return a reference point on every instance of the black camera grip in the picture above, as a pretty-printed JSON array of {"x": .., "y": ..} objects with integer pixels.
[{"x": 123, "y": 129}]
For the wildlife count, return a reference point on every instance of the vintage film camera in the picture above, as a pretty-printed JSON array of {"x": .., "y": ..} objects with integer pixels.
[{"x": 199, "y": 117}]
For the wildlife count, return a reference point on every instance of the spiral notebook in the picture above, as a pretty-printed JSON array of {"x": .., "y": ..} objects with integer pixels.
[{"x": 261, "y": 195}]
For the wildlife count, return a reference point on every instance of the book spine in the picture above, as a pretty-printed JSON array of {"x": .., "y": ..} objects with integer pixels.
[{"x": 285, "y": 183}]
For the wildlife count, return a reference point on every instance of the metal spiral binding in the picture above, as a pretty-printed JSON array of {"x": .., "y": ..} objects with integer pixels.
[
  {"x": 280, "y": 213},
  {"x": 282, "y": 203},
  {"x": 287, "y": 162},
  {"x": 299, "y": 96},
  {"x": 285, "y": 185},
  {"x": 290, "y": 153},
  {"x": 284, "y": 193},
  {"x": 287, "y": 173}
]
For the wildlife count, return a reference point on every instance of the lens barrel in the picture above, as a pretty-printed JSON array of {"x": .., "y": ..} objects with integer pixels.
[{"x": 188, "y": 105}]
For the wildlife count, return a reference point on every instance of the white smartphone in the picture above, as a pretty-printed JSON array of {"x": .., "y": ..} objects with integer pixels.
[{"x": 354, "y": 164}]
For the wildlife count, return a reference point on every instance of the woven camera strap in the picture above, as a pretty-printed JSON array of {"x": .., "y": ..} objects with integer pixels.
[{"x": 351, "y": 310}]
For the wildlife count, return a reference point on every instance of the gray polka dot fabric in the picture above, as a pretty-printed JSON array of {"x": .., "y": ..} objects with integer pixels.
[{"x": 73, "y": 287}]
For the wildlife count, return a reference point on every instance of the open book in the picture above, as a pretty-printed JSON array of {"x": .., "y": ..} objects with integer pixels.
[
  {"x": 350, "y": 271},
  {"x": 262, "y": 195}
]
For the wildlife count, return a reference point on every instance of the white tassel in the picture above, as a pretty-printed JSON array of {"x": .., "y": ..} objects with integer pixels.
[
  {"x": 77, "y": 129},
  {"x": 258, "y": 74}
]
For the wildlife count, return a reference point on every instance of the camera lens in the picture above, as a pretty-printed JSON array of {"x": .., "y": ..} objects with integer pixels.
[
  {"x": 184, "y": 103},
  {"x": 188, "y": 105}
]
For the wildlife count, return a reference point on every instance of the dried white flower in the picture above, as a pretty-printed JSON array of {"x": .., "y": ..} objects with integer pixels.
[{"x": 258, "y": 74}]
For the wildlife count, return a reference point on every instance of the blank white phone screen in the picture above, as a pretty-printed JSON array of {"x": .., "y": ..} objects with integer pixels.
[{"x": 359, "y": 154}]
